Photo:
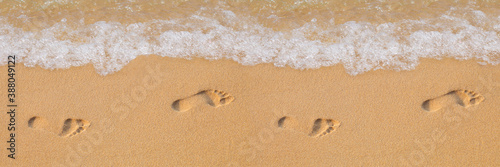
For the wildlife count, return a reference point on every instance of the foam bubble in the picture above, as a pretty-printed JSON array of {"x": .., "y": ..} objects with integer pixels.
[{"x": 359, "y": 46}]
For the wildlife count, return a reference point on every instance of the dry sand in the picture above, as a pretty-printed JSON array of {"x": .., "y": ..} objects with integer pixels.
[{"x": 230, "y": 114}]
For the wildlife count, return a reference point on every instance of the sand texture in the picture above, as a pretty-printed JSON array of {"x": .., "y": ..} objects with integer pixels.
[{"x": 176, "y": 112}]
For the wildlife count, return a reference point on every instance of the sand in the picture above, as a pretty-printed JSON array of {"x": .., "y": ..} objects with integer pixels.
[{"x": 227, "y": 114}]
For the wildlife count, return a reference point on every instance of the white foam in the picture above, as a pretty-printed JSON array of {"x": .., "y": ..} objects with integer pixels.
[{"x": 359, "y": 46}]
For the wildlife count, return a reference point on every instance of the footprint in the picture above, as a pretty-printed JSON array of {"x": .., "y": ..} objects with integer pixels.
[
  {"x": 71, "y": 127},
  {"x": 321, "y": 127},
  {"x": 465, "y": 98},
  {"x": 287, "y": 123},
  {"x": 37, "y": 123},
  {"x": 215, "y": 98}
]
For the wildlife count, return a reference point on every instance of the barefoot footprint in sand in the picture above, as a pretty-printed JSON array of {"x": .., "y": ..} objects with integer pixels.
[
  {"x": 465, "y": 98},
  {"x": 215, "y": 98},
  {"x": 71, "y": 127},
  {"x": 321, "y": 126}
]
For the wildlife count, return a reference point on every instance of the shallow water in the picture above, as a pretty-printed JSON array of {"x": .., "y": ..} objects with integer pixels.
[{"x": 358, "y": 34}]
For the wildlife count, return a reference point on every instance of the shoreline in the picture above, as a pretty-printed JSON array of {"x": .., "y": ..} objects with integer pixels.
[{"x": 132, "y": 120}]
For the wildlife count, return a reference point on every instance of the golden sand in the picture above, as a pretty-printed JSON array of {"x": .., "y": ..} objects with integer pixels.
[
  {"x": 332, "y": 118},
  {"x": 161, "y": 111}
]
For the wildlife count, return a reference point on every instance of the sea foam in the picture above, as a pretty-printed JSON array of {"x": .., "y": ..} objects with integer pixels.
[{"x": 358, "y": 46}]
